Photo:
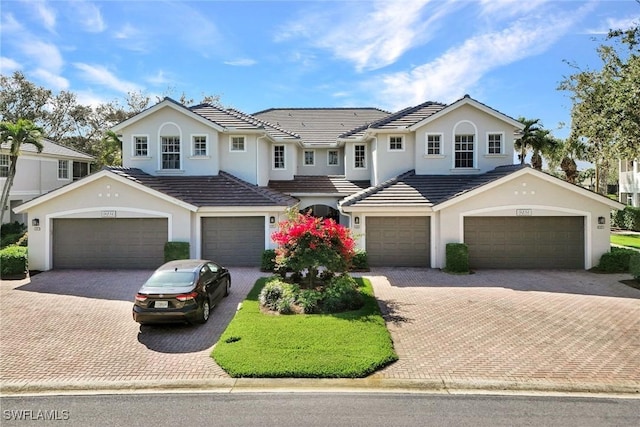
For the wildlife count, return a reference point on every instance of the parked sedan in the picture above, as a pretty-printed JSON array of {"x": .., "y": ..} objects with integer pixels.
[{"x": 181, "y": 291}]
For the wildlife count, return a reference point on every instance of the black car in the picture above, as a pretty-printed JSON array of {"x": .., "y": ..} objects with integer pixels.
[{"x": 181, "y": 291}]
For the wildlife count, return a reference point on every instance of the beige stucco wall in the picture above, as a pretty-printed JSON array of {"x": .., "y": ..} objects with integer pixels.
[
  {"x": 540, "y": 198},
  {"x": 90, "y": 201}
]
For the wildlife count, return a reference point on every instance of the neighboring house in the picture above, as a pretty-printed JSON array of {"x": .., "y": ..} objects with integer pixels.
[
  {"x": 629, "y": 183},
  {"x": 406, "y": 183},
  {"x": 39, "y": 173}
]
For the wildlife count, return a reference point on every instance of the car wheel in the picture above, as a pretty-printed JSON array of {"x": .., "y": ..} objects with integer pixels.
[
  {"x": 227, "y": 287},
  {"x": 205, "y": 310}
]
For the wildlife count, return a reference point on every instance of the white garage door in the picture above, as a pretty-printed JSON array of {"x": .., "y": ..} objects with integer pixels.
[{"x": 109, "y": 243}]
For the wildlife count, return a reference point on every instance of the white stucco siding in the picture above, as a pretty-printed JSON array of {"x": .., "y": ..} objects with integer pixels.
[
  {"x": 528, "y": 195},
  {"x": 320, "y": 165},
  {"x": 464, "y": 120},
  {"x": 102, "y": 197},
  {"x": 361, "y": 173},
  {"x": 389, "y": 162},
  {"x": 165, "y": 122},
  {"x": 290, "y": 162},
  {"x": 241, "y": 164}
]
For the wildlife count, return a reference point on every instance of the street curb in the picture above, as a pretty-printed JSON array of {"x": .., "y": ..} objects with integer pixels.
[{"x": 372, "y": 385}]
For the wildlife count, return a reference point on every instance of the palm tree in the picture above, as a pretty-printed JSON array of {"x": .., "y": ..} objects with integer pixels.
[
  {"x": 564, "y": 155},
  {"x": 15, "y": 134},
  {"x": 534, "y": 138}
]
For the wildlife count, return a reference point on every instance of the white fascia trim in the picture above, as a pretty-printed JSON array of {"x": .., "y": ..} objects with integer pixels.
[
  {"x": 91, "y": 178},
  {"x": 474, "y": 103},
  {"x": 530, "y": 171},
  {"x": 165, "y": 104}
]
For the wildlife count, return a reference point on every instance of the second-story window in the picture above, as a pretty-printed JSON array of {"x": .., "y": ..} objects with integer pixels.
[
  {"x": 395, "y": 143},
  {"x": 332, "y": 158},
  {"x": 199, "y": 145},
  {"x": 63, "y": 169},
  {"x": 170, "y": 152},
  {"x": 494, "y": 143},
  {"x": 360, "y": 157},
  {"x": 237, "y": 143},
  {"x": 278, "y": 157},
  {"x": 434, "y": 142},
  {"x": 309, "y": 157},
  {"x": 140, "y": 146},
  {"x": 4, "y": 165},
  {"x": 464, "y": 151}
]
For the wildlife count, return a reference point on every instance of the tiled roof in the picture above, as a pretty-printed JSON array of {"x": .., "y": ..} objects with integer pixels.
[
  {"x": 332, "y": 184},
  {"x": 219, "y": 190},
  {"x": 427, "y": 190},
  {"x": 53, "y": 149},
  {"x": 321, "y": 125},
  {"x": 234, "y": 119}
]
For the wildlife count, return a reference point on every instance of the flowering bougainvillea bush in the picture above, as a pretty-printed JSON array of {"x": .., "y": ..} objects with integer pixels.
[{"x": 306, "y": 243}]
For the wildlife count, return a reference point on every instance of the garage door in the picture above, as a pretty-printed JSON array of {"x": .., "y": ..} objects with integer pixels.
[
  {"x": 237, "y": 241},
  {"x": 398, "y": 241},
  {"x": 525, "y": 242},
  {"x": 109, "y": 243}
]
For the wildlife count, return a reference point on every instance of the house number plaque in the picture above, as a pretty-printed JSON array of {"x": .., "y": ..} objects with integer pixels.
[
  {"x": 108, "y": 214},
  {"x": 524, "y": 212}
]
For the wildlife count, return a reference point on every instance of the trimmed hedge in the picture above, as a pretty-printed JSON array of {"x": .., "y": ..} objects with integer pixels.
[
  {"x": 13, "y": 261},
  {"x": 176, "y": 250},
  {"x": 616, "y": 261},
  {"x": 634, "y": 266},
  {"x": 457, "y": 258},
  {"x": 360, "y": 261},
  {"x": 627, "y": 218},
  {"x": 268, "y": 262}
]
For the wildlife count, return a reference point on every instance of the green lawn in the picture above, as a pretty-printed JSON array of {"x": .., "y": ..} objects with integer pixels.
[
  {"x": 629, "y": 240},
  {"x": 344, "y": 345}
]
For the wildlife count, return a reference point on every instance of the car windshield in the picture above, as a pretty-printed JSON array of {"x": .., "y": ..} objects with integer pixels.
[{"x": 170, "y": 279}]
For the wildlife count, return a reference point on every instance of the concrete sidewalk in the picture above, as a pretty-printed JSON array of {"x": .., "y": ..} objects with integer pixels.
[{"x": 493, "y": 331}]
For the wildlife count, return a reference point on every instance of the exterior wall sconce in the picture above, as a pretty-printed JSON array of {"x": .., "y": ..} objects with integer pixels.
[
  {"x": 35, "y": 222},
  {"x": 601, "y": 220},
  {"x": 272, "y": 220},
  {"x": 356, "y": 220}
]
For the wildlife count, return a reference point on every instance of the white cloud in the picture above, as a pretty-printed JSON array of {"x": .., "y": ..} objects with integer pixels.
[
  {"x": 461, "y": 68},
  {"x": 100, "y": 75},
  {"x": 241, "y": 62},
  {"x": 159, "y": 79},
  {"x": 43, "y": 53},
  {"x": 505, "y": 8},
  {"x": 615, "y": 24},
  {"x": 88, "y": 16},
  {"x": 370, "y": 35},
  {"x": 45, "y": 14},
  {"x": 51, "y": 80},
  {"x": 8, "y": 65}
]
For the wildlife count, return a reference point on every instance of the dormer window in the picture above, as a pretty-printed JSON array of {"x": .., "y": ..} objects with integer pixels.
[
  {"x": 463, "y": 151},
  {"x": 237, "y": 143},
  {"x": 396, "y": 143},
  {"x": 170, "y": 152}
]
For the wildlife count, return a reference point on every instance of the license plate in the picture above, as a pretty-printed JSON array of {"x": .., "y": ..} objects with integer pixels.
[{"x": 161, "y": 304}]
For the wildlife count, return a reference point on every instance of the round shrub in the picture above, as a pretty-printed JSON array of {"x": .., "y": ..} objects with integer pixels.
[
  {"x": 341, "y": 295},
  {"x": 310, "y": 300},
  {"x": 278, "y": 296},
  {"x": 13, "y": 261}
]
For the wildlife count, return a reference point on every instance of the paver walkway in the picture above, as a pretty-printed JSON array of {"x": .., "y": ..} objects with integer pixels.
[{"x": 522, "y": 326}]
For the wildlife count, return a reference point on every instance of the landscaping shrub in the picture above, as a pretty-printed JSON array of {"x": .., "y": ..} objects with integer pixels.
[
  {"x": 268, "y": 260},
  {"x": 617, "y": 218},
  {"x": 342, "y": 294},
  {"x": 360, "y": 261},
  {"x": 310, "y": 301},
  {"x": 616, "y": 261},
  {"x": 13, "y": 261},
  {"x": 457, "y": 255},
  {"x": 278, "y": 296},
  {"x": 12, "y": 233},
  {"x": 631, "y": 218},
  {"x": 176, "y": 250},
  {"x": 634, "y": 265}
]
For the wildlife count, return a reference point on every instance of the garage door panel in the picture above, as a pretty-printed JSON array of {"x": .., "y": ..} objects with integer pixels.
[
  {"x": 525, "y": 242},
  {"x": 108, "y": 243},
  {"x": 233, "y": 241},
  {"x": 398, "y": 241}
]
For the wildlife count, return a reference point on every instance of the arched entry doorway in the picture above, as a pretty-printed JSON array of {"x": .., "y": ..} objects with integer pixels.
[{"x": 322, "y": 211}]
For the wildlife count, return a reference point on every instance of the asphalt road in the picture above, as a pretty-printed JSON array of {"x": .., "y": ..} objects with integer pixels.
[{"x": 314, "y": 409}]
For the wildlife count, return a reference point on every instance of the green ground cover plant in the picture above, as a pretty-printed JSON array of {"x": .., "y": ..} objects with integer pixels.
[
  {"x": 260, "y": 344},
  {"x": 629, "y": 240}
]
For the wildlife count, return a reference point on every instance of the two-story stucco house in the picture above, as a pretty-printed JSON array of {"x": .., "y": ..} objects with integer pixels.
[
  {"x": 406, "y": 183},
  {"x": 629, "y": 182},
  {"x": 39, "y": 173}
]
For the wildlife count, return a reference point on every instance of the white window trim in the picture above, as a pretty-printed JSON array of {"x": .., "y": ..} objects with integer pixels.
[
  {"x": 440, "y": 155},
  {"x": 133, "y": 146},
  {"x": 365, "y": 157},
  {"x": 162, "y": 133},
  {"x": 475, "y": 146},
  {"x": 284, "y": 157},
  {"x": 502, "y": 145},
  {"x": 193, "y": 145},
  {"x": 337, "y": 158},
  {"x": 304, "y": 157},
  {"x": 3, "y": 155},
  {"x": 244, "y": 144},
  {"x": 162, "y": 153},
  {"x": 68, "y": 162},
  {"x": 402, "y": 142}
]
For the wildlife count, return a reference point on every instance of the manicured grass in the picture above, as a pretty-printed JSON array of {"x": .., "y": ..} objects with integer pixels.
[
  {"x": 629, "y": 240},
  {"x": 345, "y": 345}
]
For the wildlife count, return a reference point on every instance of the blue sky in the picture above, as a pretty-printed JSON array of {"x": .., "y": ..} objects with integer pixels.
[{"x": 509, "y": 54}]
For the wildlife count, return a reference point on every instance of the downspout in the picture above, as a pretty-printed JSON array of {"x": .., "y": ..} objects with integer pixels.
[
  {"x": 258, "y": 158},
  {"x": 374, "y": 162}
]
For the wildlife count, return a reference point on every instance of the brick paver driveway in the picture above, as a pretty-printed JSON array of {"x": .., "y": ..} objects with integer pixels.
[{"x": 67, "y": 326}]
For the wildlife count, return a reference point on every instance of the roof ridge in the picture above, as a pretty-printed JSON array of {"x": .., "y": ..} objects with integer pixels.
[{"x": 319, "y": 108}]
